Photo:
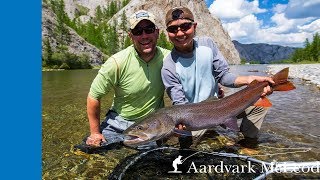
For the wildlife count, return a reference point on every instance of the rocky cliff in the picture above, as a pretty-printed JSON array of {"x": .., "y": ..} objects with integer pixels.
[
  {"x": 76, "y": 45},
  {"x": 264, "y": 53},
  {"x": 208, "y": 25}
]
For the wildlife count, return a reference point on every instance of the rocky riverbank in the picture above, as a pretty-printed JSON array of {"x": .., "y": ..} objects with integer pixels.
[{"x": 307, "y": 72}]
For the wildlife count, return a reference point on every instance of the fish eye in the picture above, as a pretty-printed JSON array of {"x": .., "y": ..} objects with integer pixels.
[{"x": 139, "y": 127}]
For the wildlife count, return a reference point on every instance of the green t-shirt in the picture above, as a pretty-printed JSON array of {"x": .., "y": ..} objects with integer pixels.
[{"x": 137, "y": 85}]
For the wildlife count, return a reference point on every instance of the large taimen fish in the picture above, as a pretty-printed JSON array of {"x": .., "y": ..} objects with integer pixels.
[{"x": 204, "y": 115}]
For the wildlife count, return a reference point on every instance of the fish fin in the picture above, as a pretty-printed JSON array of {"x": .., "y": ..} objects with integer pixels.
[
  {"x": 284, "y": 87},
  {"x": 231, "y": 123},
  {"x": 281, "y": 81},
  {"x": 263, "y": 102},
  {"x": 182, "y": 132}
]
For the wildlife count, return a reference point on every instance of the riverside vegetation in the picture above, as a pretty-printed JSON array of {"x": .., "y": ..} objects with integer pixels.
[
  {"x": 310, "y": 53},
  {"x": 96, "y": 31}
]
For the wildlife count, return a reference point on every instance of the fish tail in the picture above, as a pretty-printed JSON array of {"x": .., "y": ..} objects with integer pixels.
[
  {"x": 281, "y": 81},
  {"x": 281, "y": 84},
  {"x": 263, "y": 102}
]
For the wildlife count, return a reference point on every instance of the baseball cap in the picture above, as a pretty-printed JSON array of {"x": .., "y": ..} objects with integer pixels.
[
  {"x": 138, "y": 16},
  {"x": 179, "y": 13}
]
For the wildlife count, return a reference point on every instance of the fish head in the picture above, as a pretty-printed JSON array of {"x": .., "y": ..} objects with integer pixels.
[{"x": 152, "y": 128}]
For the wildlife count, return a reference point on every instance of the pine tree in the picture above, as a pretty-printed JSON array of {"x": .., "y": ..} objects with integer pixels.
[
  {"x": 127, "y": 42},
  {"x": 123, "y": 27},
  {"x": 163, "y": 42},
  {"x": 47, "y": 53},
  {"x": 297, "y": 56},
  {"x": 112, "y": 42},
  {"x": 125, "y": 2},
  {"x": 61, "y": 31},
  {"x": 315, "y": 48},
  {"x": 98, "y": 14},
  {"x": 112, "y": 9},
  {"x": 307, "y": 50},
  {"x": 114, "y": 38},
  {"x": 99, "y": 41},
  {"x": 90, "y": 32}
]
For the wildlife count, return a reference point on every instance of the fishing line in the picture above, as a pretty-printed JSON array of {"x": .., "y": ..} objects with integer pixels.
[
  {"x": 190, "y": 156},
  {"x": 298, "y": 150},
  {"x": 270, "y": 147},
  {"x": 274, "y": 154},
  {"x": 314, "y": 136}
]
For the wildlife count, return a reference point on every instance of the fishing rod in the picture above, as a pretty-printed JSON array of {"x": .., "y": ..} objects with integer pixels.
[{"x": 270, "y": 167}]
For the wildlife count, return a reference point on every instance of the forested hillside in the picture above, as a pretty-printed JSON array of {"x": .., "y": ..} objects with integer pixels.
[{"x": 96, "y": 31}]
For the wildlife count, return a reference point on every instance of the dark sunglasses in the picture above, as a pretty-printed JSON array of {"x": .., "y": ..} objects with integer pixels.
[
  {"x": 139, "y": 30},
  {"x": 183, "y": 27}
]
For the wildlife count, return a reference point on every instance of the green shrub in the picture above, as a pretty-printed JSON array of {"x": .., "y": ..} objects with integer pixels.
[
  {"x": 81, "y": 10},
  {"x": 55, "y": 67},
  {"x": 64, "y": 66},
  {"x": 243, "y": 61},
  {"x": 84, "y": 61},
  {"x": 58, "y": 58}
]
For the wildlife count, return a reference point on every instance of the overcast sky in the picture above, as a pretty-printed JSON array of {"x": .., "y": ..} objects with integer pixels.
[{"x": 282, "y": 22}]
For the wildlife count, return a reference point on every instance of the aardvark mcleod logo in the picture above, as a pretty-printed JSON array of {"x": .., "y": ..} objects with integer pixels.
[
  {"x": 175, "y": 165},
  {"x": 248, "y": 167}
]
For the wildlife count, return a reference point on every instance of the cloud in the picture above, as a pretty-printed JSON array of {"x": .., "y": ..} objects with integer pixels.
[
  {"x": 279, "y": 8},
  {"x": 230, "y": 9},
  {"x": 289, "y": 39},
  {"x": 312, "y": 27},
  {"x": 239, "y": 18},
  {"x": 302, "y": 9},
  {"x": 245, "y": 27},
  {"x": 283, "y": 25}
]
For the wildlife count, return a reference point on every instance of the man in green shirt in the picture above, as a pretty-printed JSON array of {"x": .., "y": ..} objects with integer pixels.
[{"x": 135, "y": 76}]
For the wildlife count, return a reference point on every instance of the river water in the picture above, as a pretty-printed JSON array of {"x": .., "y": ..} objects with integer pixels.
[{"x": 290, "y": 131}]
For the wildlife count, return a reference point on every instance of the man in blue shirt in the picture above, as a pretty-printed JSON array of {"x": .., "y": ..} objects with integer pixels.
[{"x": 192, "y": 71}]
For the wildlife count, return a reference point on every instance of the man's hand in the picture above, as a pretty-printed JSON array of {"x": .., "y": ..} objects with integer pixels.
[
  {"x": 220, "y": 92},
  {"x": 181, "y": 127},
  {"x": 95, "y": 140},
  {"x": 267, "y": 90},
  {"x": 246, "y": 80}
]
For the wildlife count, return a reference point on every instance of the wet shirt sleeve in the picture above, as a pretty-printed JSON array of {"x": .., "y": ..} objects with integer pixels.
[
  {"x": 105, "y": 80},
  {"x": 172, "y": 83}
]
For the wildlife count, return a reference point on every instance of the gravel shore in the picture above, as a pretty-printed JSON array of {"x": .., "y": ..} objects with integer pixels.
[{"x": 307, "y": 72}]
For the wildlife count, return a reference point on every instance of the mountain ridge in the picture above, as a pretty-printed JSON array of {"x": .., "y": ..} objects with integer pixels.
[{"x": 262, "y": 52}]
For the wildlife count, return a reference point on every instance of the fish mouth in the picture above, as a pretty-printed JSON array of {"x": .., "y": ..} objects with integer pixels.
[{"x": 133, "y": 140}]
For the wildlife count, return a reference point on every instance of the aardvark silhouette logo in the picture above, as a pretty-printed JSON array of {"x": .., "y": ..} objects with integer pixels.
[{"x": 175, "y": 165}]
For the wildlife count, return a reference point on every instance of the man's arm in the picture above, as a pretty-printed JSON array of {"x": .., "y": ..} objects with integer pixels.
[
  {"x": 223, "y": 76},
  {"x": 172, "y": 83},
  {"x": 93, "y": 111},
  {"x": 101, "y": 85},
  {"x": 245, "y": 80}
]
